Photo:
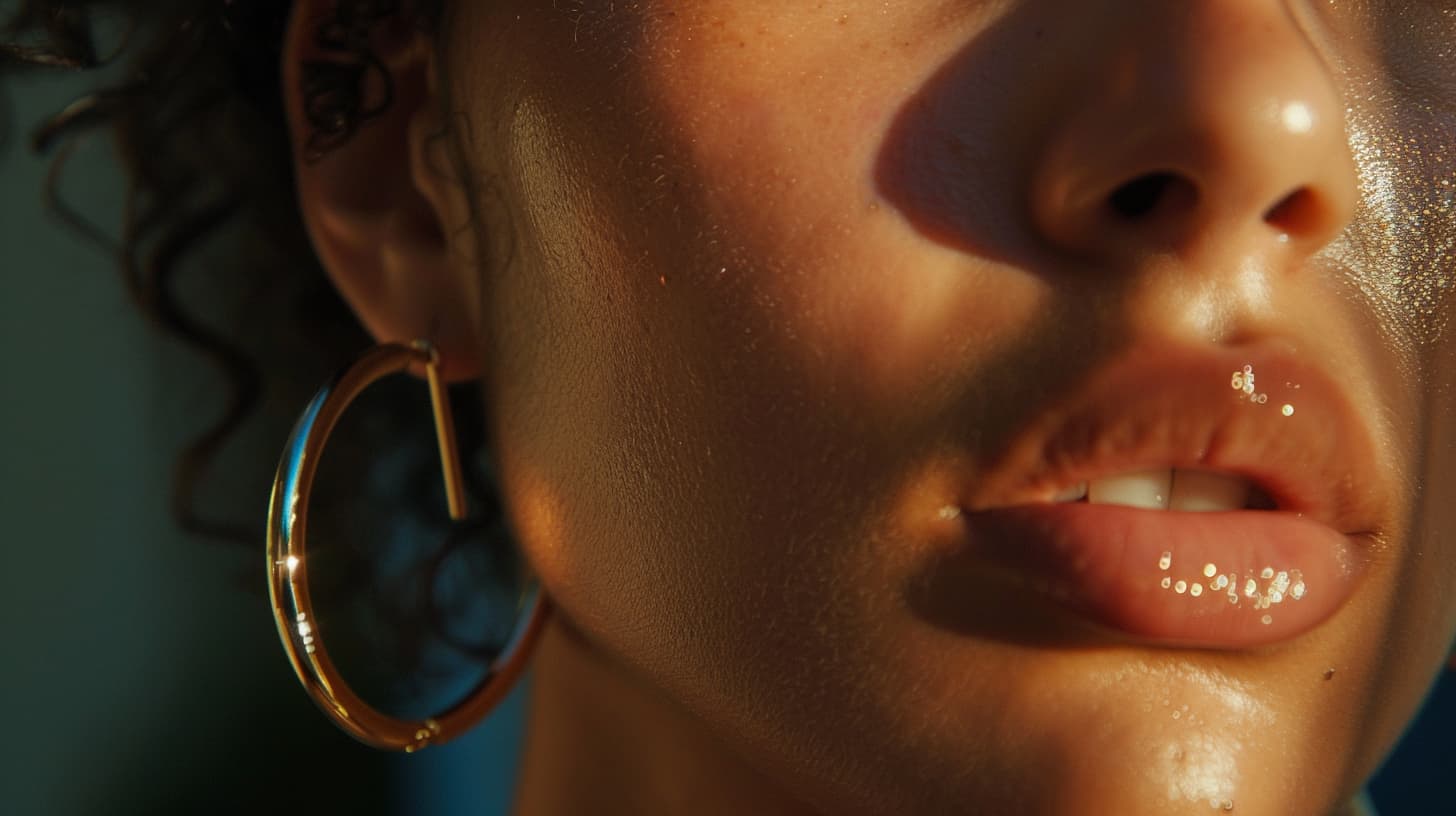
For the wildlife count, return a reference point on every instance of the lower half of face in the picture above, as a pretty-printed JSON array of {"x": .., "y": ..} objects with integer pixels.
[{"x": 818, "y": 317}]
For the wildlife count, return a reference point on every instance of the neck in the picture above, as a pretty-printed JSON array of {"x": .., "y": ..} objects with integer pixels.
[{"x": 600, "y": 741}]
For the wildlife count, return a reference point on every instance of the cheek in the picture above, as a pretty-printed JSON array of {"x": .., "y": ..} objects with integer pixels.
[
  {"x": 701, "y": 381},
  {"x": 1403, "y": 242},
  {"x": 1401, "y": 125},
  {"x": 1399, "y": 259},
  {"x": 649, "y": 409},
  {"x": 782, "y": 239}
]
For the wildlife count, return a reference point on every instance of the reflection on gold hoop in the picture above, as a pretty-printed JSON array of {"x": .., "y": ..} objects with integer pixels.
[{"x": 288, "y": 565}]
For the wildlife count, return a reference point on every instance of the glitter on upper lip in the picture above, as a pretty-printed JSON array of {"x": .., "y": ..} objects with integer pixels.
[{"x": 1175, "y": 408}]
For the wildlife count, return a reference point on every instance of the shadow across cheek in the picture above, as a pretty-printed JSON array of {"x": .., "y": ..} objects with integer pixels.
[{"x": 958, "y": 153}]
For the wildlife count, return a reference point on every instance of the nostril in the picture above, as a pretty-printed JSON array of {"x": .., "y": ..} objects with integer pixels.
[
  {"x": 1139, "y": 196},
  {"x": 1150, "y": 192},
  {"x": 1295, "y": 214}
]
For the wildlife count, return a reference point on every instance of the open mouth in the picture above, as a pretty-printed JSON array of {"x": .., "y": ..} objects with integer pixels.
[
  {"x": 1187, "y": 515},
  {"x": 1183, "y": 489}
]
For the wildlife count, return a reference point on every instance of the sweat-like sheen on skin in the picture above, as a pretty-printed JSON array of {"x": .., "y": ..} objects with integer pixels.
[{"x": 782, "y": 275}]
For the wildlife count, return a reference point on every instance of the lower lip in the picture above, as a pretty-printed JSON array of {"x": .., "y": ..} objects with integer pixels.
[{"x": 1228, "y": 580}]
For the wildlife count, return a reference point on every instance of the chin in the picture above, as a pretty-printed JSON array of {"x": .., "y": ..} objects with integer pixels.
[{"x": 1090, "y": 730}]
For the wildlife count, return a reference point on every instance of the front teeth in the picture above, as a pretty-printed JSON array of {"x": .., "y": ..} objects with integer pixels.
[
  {"x": 1148, "y": 489},
  {"x": 1075, "y": 493},
  {"x": 1198, "y": 491}
]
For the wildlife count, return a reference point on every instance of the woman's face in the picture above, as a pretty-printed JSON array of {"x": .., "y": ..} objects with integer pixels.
[{"x": 790, "y": 302}]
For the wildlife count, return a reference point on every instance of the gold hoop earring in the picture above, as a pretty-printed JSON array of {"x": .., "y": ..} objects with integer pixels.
[{"x": 288, "y": 566}]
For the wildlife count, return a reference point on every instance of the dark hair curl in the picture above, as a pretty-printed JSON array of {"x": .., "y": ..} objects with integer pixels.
[{"x": 193, "y": 97}]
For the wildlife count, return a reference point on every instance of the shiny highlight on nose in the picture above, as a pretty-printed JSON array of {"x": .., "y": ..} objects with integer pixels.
[{"x": 1297, "y": 118}]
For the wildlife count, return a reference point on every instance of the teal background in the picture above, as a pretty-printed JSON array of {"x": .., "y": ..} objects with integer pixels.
[{"x": 141, "y": 671}]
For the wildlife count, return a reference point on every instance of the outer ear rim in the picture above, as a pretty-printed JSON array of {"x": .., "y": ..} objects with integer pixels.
[{"x": 373, "y": 205}]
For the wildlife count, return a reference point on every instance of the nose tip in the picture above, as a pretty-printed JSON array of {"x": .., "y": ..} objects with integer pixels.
[{"x": 1198, "y": 134}]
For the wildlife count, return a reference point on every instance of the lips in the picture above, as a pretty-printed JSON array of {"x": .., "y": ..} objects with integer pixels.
[{"x": 1257, "y": 416}]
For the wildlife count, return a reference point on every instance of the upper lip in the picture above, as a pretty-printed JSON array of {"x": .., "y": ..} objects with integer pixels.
[{"x": 1177, "y": 408}]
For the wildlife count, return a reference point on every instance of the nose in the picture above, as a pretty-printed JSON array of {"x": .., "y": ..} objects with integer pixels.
[{"x": 1209, "y": 126}]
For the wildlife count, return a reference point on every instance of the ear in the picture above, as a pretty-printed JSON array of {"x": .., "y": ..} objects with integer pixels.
[{"x": 377, "y": 195}]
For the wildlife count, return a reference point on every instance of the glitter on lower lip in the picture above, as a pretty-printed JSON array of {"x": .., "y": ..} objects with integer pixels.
[{"x": 1270, "y": 588}]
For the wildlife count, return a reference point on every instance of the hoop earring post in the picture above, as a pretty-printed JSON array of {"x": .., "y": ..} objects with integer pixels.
[{"x": 445, "y": 434}]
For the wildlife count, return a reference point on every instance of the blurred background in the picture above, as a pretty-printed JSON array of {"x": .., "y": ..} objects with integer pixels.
[{"x": 142, "y": 672}]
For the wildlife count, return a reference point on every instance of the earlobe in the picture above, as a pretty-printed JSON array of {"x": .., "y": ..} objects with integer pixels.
[{"x": 381, "y": 210}]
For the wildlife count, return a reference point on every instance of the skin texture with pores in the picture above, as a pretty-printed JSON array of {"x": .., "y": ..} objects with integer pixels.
[{"x": 756, "y": 288}]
